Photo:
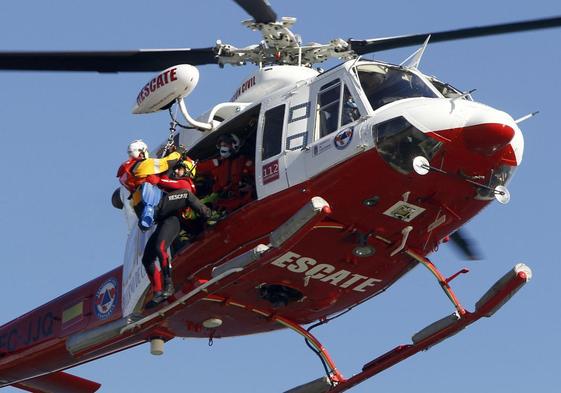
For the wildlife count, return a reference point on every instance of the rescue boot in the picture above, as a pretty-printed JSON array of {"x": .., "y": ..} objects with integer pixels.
[
  {"x": 168, "y": 288},
  {"x": 158, "y": 298}
]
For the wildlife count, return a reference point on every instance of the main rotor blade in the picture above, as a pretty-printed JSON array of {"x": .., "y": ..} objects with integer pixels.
[
  {"x": 361, "y": 47},
  {"x": 116, "y": 61},
  {"x": 260, "y": 10},
  {"x": 465, "y": 245}
]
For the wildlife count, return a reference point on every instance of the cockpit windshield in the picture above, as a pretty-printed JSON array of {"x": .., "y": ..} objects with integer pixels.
[
  {"x": 383, "y": 84},
  {"x": 449, "y": 91}
]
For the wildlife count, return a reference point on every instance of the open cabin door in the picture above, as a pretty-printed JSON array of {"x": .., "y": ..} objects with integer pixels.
[{"x": 270, "y": 164}]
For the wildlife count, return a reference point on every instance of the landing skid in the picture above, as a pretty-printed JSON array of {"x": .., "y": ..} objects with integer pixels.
[
  {"x": 286, "y": 236},
  {"x": 431, "y": 335}
]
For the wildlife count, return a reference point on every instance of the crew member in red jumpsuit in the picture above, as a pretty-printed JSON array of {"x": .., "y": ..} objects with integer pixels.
[{"x": 232, "y": 174}]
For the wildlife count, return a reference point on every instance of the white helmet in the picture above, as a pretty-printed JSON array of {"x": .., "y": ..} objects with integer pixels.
[
  {"x": 228, "y": 144},
  {"x": 137, "y": 147}
]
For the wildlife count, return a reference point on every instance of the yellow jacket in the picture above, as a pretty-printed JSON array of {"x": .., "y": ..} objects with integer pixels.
[{"x": 154, "y": 166}]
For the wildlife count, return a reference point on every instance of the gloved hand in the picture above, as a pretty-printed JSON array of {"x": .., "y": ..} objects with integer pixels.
[
  {"x": 153, "y": 179},
  {"x": 181, "y": 149}
]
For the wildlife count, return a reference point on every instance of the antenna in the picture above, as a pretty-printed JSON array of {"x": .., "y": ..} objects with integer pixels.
[
  {"x": 523, "y": 118},
  {"x": 415, "y": 58}
]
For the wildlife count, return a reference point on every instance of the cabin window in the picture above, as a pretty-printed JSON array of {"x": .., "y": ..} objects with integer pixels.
[
  {"x": 332, "y": 111},
  {"x": 384, "y": 84},
  {"x": 272, "y": 132},
  {"x": 398, "y": 143},
  {"x": 328, "y": 107}
]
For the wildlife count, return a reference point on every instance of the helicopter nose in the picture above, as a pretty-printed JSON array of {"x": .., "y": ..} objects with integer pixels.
[
  {"x": 487, "y": 138},
  {"x": 479, "y": 128}
]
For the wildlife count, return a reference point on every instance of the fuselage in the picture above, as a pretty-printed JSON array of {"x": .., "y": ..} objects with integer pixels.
[{"x": 305, "y": 144}]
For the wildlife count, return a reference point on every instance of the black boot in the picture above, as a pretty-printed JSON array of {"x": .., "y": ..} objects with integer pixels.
[
  {"x": 168, "y": 288},
  {"x": 158, "y": 297},
  {"x": 214, "y": 217}
]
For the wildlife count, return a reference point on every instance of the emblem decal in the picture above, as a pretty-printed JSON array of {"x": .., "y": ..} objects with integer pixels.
[
  {"x": 105, "y": 299},
  {"x": 343, "y": 138},
  {"x": 404, "y": 211}
]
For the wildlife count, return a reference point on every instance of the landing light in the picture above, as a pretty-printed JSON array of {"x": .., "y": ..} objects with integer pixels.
[
  {"x": 370, "y": 202},
  {"x": 212, "y": 323},
  {"x": 421, "y": 165},
  {"x": 363, "y": 251},
  {"x": 502, "y": 194}
]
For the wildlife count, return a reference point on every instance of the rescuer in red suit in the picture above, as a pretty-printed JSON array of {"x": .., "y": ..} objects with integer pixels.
[
  {"x": 232, "y": 174},
  {"x": 180, "y": 178},
  {"x": 139, "y": 168}
]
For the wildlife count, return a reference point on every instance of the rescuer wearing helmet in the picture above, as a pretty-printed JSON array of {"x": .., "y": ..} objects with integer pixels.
[
  {"x": 137, "y": 151},
  {"x": 180, "y": 178},
  {"x": 149, "y": 203},
  {"x": 232, "y": 174}
]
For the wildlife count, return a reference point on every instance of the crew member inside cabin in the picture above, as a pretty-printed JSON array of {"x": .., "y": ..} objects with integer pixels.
[
  {"x": 232, "y": 174},
  {"x": 350, "y": 108}
]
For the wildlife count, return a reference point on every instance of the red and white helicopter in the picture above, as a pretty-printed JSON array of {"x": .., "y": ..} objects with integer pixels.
[{"x": 324, "y": 234}]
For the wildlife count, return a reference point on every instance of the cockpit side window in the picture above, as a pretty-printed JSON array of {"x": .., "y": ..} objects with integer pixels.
[
  {"x": 328, "y": 107},
  {"x": 335, "y": 108},
  {"x": 272, "y": 132},
  {"x": 385, "y": 84},
  {"x": 398, "y": 142}
]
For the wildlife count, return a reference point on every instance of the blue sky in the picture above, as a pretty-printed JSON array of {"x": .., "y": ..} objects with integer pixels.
[{"x": 64, "y": 135}]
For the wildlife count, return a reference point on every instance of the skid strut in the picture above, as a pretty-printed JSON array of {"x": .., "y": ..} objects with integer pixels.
[
  {"x": 334, "y": 375},
  {"x": 444, "y": 283}
]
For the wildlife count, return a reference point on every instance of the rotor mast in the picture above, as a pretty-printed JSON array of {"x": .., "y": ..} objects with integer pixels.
[{"x": 281, "y": 46}]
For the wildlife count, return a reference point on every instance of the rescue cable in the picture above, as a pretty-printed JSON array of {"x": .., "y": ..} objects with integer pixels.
[{"x": 173, "y": 131}]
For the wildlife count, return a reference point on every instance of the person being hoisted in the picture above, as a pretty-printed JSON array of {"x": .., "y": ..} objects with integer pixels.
[
  {"x": 232, "y": 174},
  {"x": 148, "y": 201}
]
